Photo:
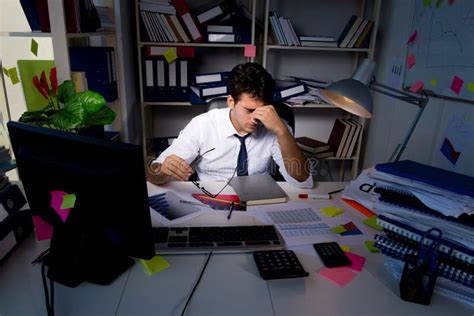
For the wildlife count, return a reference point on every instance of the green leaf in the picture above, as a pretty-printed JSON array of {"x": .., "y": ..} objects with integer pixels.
[
  {"x": 36, "y": 116},
  {"x": 70, "y": 117},
  {"x": 92, "y": 101},
  {"x": 66, "y": 91},
  {"x": 103, "y": 117}
]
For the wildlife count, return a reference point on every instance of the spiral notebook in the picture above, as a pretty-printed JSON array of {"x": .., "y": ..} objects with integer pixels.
[{"x": 454, "y": 270}]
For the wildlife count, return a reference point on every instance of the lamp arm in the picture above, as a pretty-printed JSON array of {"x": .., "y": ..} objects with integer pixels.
[{"x": 399, "y": 94}]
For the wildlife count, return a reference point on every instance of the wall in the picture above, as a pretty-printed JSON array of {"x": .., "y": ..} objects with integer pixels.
[{"x": 392, "y": 118}]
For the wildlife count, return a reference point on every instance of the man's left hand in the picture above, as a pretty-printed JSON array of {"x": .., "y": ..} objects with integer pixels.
[{"x": 270, "y": 119}]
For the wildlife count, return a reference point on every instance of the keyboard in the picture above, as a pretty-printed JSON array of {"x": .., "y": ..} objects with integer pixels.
[{"x": 217, "y": 239}]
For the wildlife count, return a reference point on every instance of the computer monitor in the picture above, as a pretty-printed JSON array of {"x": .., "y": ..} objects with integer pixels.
[{"x": 110, "y": 219}]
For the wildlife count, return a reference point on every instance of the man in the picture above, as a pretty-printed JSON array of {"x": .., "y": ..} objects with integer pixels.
[{"x": 238, "y": 140}]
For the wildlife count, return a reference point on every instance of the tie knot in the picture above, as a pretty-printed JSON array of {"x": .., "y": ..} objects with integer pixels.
[{"x": 241, "y": 138}]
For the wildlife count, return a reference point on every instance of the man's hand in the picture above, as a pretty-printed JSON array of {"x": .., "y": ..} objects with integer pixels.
[
  {"x": 270, "y": 119},
  {"x": 174, "y": 167}
]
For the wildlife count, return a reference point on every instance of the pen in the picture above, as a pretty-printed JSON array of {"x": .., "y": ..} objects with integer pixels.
[
  {"x": 315, "y": 196},
  {"x": 231, "y": 209},
  {"x": 337, "y": 191}
]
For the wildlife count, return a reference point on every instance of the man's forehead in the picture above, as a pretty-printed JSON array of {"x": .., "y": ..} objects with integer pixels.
[{"x": 249, "y": 102}]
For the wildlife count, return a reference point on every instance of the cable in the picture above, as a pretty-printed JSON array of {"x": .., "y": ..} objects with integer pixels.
[
  {"x": 197, "y": 283},
  {"x": 49, "y": 300}
]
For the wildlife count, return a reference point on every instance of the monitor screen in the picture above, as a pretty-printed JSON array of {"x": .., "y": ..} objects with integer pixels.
[{"x": 108, "y": 218}]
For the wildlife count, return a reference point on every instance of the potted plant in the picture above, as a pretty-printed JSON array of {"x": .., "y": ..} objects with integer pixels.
[{"x": 66, "y": 109}]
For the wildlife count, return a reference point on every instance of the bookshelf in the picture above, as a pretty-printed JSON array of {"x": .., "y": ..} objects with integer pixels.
[
  {"x": 324, "y": 63},
  {"x": 117, "y": 37},
  {"x": 159, "y": 116}
]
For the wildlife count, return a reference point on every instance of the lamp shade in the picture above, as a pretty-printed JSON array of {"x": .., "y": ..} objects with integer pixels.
[{"x": 352, "y": 95}]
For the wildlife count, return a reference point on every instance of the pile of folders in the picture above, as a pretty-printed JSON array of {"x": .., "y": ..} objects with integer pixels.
[{"x": 413, "y": 198}]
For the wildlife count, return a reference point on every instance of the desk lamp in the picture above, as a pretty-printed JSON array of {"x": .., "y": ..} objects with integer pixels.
[{"x": 353, "y": 96}]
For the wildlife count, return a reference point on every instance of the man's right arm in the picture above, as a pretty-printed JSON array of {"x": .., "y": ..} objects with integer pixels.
[{"x": 172, "y": 168}]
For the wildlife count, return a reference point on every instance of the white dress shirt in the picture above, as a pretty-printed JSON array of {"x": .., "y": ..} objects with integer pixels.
[{"x": 214, "y": 129}]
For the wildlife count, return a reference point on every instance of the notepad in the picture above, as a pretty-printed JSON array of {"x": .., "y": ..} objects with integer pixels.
[{"x": 258, "y": 189}]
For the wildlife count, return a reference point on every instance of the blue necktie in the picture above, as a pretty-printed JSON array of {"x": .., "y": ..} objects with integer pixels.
[{"x": 242, "y": 162}]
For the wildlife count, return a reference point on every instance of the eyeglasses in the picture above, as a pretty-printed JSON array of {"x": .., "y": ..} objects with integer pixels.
[{"x": 206, "y": 192}]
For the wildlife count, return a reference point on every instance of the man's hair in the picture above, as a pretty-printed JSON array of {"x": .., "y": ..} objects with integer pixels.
[{"x": 253, "y": 79}]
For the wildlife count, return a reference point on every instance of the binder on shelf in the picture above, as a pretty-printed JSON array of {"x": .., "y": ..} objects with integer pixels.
[
  {"x": 211, "y": 77},
  {"x": 43, "y": 15},
  {"x": 188, "y": 19},
  {"x": 353, "y": 29},
  {"x": 355, "y": 138},
  {"x": 31, "y": 13},
  {"x": 221, "y": 38},
  {"x": 181, "y": 51},
  {"x": 281, "y": 94},
  {"x": 215, "y": 12},
  {"x": 365, "y": 36},
  {"x": 220, "y": 28},
  {"x": 89, "y": 18},
  {"x": 179, "y": 28},
  {"x": 99, "y": 65},
  {"x": 210, "y": 89},
  {"x": 350, "y": 135},
  {"x": 157, "y": 7},
  {"x": 338, "y": 136},
  {"x": 72, "y": 16},
  {"x": 357, "y": 34}
]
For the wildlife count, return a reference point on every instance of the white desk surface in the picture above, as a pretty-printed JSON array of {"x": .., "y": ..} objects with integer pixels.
[{"x": 231, "y": 285}]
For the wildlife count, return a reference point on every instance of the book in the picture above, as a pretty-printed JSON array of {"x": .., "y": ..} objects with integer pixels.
[
  {"x": 188, "y": 19},
  {"x": 258, "y": 189},
  {"x": 311, "y": 145},
  {"x": 353, "y": 29},
  {"x": 210, "y": 89},
  {"x": 437, "y": 177},
  {"x": 286, "y": 89},
  {"x": 318, "y": 44},
  {"x": 365, "y": 35},
  {"x": 346, "y": 29},
  {"x": 318, "y": 38},
  {"x": 215, "y": 12},
  {"x": 31, "y": 13},
  {"x": 357, "y": 34}
]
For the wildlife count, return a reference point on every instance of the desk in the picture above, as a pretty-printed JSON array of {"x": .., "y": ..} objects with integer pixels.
[{"x": 231, "y": 285}]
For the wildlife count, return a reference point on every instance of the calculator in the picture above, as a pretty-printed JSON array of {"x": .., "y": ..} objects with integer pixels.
[
  {"x": 278, "y": 264},
  {"x": 331, "y": 254}
]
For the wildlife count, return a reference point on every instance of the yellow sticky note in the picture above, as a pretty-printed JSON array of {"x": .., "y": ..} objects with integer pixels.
[
  {"x": 372, "y": 222},
  {"x": 433, "y": 82},
  {"x": 369, "y": 244},
  {"x": 155, "y": 264},
  {"x": 338, "y": 229},
  {"x": 13, "y": 74},
  {"x": 170, "y": 55},
  {"x": 344, "y": 247},
  {"x": 69, "y": 200},
  {"x": 34, "y": 47},
  {"x": 470, "y": 87},
  {"x": 5, "y": 71},
  {"x": 331, "y": 211}
]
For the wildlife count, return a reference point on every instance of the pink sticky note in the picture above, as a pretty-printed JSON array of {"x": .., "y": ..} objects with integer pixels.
[
  {"x": 43, "y": 230},
  {"x": 357, "y": 261},
  {"x": 412, "y": 37},
  {"x": 417, "y": 86},
  {"x": 340, "y": 276},
  {"x": 57, "y": 201},
  {"x": 411, "y": 61},
  {"x": 456, "y": 85},
  {"x": 250, "y": 51}
]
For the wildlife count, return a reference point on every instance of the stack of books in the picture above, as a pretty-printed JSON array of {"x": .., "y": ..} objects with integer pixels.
[
  {"x": 411, "y": 198},
  {"x": 313, "y": 94},
  {"x": 282, "y": 31},
  {"x": 344, "y": 136},
  {"x": 356, "y": 33},
  {"x": 313, "y": 148}
]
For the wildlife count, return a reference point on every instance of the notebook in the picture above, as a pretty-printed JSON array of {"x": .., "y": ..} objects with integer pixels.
[{"x": 258, "y": 189}]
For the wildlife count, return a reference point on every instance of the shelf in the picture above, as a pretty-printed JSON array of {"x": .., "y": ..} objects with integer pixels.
[
  {"x": 314, "y": 106},
  {"x": 332, "y": 49},
  {"x": 24, "y": 34},
  {"x": 91, "y": 34},
  {"x": 194, "y": 44},
  {"x": 170, "y": 103}
]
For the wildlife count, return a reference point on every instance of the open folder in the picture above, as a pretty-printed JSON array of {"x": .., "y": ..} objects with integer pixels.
[{"x": 258, "y": 189}]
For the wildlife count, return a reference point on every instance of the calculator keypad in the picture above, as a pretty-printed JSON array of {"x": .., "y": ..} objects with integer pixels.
[{"x": 278, "y": 264}]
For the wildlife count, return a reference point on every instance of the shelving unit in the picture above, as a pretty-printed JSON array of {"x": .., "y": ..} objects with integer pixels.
[
  {"x": 148, "y": 108},
  {"x": 315, "y": 25}
]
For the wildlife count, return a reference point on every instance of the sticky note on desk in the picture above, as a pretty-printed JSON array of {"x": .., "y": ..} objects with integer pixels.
[
  {"x": 340, "y": 276},
  {"x": 344, "y": 247},
  {"x": 357, "y": 261},
  {"x": 372, "y": 222},
  {"x": 331, "y": 211},
  {"x": 338, "y": 229},
  {"x": 155, "y": 264},
  {"x": 370, "y": 245}
]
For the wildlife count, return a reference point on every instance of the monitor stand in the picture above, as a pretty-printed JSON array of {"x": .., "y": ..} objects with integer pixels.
[{"x": 78, "y": 255}]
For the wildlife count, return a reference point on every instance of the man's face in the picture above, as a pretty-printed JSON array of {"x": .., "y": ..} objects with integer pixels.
[{"x": 241, "y": 114}]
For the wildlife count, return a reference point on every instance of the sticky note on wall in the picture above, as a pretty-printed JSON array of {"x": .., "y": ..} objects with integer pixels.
[{"x": 456, "y": 84}]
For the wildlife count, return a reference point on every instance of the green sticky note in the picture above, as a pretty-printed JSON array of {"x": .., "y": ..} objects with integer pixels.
[
  {"x": 34, "y": 47},
  {"x": 5, "y": 71},
  {"x": 426, "y": 3},
  {"x": 69, "y": 200},
  {"x": 369, "y": 244},
  {"x": 13, "y": 74},
  {"x": 433, "y": 82},
  {"x": 338, "y": 229},
  {"x": 170, "y": 55},
  {"x": 155, "y": 264},
  {"x": 439, "y": 2},
  {"x": 470, "y": 87},
  {"x": 344, "y": 247},
  {"x": 372, "y": 222},
  {"x": 331, "y": 211}
]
